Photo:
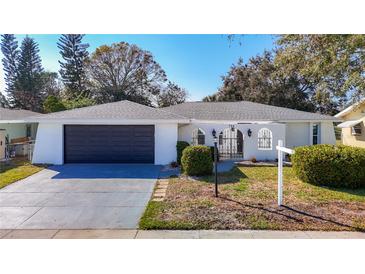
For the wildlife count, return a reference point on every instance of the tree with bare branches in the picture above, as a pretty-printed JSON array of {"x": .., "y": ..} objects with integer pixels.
[{"x": 123, "y": 71}]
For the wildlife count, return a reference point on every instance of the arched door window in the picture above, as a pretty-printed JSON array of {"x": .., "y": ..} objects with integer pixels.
[{"x": 198, "y": 137}]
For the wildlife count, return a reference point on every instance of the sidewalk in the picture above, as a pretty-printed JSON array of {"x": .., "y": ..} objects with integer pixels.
[{"x": 175, "y": 234}]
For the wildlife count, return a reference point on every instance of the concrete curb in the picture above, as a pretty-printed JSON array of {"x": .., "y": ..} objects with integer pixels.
[{"x": 173, "y": 234}]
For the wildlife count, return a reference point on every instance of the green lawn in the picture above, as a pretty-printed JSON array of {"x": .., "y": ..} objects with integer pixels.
[
  {"x": 15, "y": 170},
  {"x": 248, "y": 200}
]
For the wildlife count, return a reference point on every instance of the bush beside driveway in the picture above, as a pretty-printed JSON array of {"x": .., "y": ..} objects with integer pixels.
[{"x": 248, "y": 200}]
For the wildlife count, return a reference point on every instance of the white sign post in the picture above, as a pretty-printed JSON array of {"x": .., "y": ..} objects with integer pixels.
[{"x": 281, "y": 150}]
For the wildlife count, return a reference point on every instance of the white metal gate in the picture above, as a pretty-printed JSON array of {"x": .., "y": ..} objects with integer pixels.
[{"x": 230, "y": 144}]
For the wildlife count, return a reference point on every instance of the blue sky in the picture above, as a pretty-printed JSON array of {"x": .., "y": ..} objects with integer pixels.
[{"x": 194, "y": 62}]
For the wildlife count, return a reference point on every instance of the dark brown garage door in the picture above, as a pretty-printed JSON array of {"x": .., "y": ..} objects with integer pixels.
[{"x": 109, "y": 144}]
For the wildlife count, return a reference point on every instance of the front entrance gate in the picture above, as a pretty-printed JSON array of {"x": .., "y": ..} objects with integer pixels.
[{"x": 230, "y": 144}]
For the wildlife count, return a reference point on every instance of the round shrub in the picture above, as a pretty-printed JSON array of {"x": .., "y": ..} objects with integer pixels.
[
  {"x": 328, "y": 165},
  {"x": 197, "y": 161},
  {"x": 180, "y": 146}
]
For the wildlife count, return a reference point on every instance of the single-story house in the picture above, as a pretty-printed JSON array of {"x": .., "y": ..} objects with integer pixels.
[
  {"x": 353, "y": 127},
  {"x": 128, "y": 132}
]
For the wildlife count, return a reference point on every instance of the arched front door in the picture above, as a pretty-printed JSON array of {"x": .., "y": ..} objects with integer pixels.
[{"x": 230, "y": 144}]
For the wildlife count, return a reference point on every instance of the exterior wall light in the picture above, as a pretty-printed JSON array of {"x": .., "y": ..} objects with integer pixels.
[
  {"x": 214, "y": 133},
  {"x": 249, "y": 132}
]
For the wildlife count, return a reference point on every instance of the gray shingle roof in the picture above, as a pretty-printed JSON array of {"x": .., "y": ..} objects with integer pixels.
[
  {"x": 15, "y": 114},
  {"x": 242, "y": 111},
  {"x": 117, "y": 110}
]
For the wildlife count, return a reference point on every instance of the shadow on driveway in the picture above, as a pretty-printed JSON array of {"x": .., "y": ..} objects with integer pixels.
[{"x": 106, "y": 171}]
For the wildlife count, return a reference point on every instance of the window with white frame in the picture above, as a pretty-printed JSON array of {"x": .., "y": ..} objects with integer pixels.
[
  {"x": 264, "y": 139},
  {"x": 315, "y": 131},
  {"x": 356, "y": 129},
  {"x": 198, "y": 137}
]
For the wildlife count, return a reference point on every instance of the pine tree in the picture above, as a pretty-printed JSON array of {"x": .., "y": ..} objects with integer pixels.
[
  {"x": 28, "y": 86},
  {"x": 74, "y": 54},
  {"x": 3, "y": 101},
  {"x": 9, "y": 48}
]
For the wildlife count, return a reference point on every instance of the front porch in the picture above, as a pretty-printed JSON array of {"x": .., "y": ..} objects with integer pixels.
[
  {"x": 17, "y": 139},
  {"x": 239, "y": 141}
]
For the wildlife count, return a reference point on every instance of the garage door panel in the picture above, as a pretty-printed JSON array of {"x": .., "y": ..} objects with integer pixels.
[
  {"x": 109, "y": 144},
  {"x": 141, "y": 150},
  {"x": 142, "y": 139}
]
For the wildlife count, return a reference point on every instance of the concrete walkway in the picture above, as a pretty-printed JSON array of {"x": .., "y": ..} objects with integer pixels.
[{"x": 173, "y": 234}]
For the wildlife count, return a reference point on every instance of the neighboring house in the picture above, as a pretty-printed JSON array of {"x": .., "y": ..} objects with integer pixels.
[
  {"x": 12, "y": 121},
  {"x": 127, "y": 132},
  {"x": 353, "y": 127},
  {"x": 17, "y": 132}
]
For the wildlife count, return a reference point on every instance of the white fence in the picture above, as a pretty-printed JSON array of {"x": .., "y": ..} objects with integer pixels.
[{"x": 281, "y": 150}]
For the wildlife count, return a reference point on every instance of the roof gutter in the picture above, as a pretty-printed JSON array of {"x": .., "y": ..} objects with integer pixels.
[
  {"x": 196, "y": 121},
  {"x": 109, "y": 121},
  {"x": 14, "y": 122}
]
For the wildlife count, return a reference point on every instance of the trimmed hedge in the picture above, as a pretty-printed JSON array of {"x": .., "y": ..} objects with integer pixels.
[
  {"x": 329, "y": 165},
  {"x": 180, "y": 146},
  {"x": 197, "y": 161}
]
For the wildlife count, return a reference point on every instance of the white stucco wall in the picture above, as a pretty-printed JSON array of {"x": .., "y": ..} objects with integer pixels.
[
  {"x": 301, "y": 134},
  {"x": 49, "y": 140},
  {"x": 328, "y": 133},
  {"x": 49, "y": 144},
  {"x": 250, "y": 144},
  {"x": 48, "y": 147},
  {"x": 165, "y": 143},
  {"x": 297, "y": 134}
]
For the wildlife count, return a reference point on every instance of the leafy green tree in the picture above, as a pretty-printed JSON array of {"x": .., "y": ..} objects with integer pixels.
[
  {"x": 51, "y": 85},
  {"x": 258, "y": 81},
  {"x": 123, "y": 71},
  {"x": 28, "y": 85},
  {"x": 9, "y": 48},
  {"x": 53, "y": 104},
  {"x": 78, "y": 102},
  {"x": 334, "y": 65},
  {"x": 74, "y": 54}
]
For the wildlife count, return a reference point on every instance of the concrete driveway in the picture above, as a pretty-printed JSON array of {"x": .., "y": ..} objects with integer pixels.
[{"x": 79, "y": 196}]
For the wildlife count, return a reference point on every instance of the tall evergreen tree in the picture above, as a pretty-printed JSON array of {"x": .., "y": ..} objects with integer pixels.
[
  {"x": 9, "y": 48},
  {"x": 74, "y": 54},
  {"x": 3, "y": 101},
  {"x": 28, "y": 93}
]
